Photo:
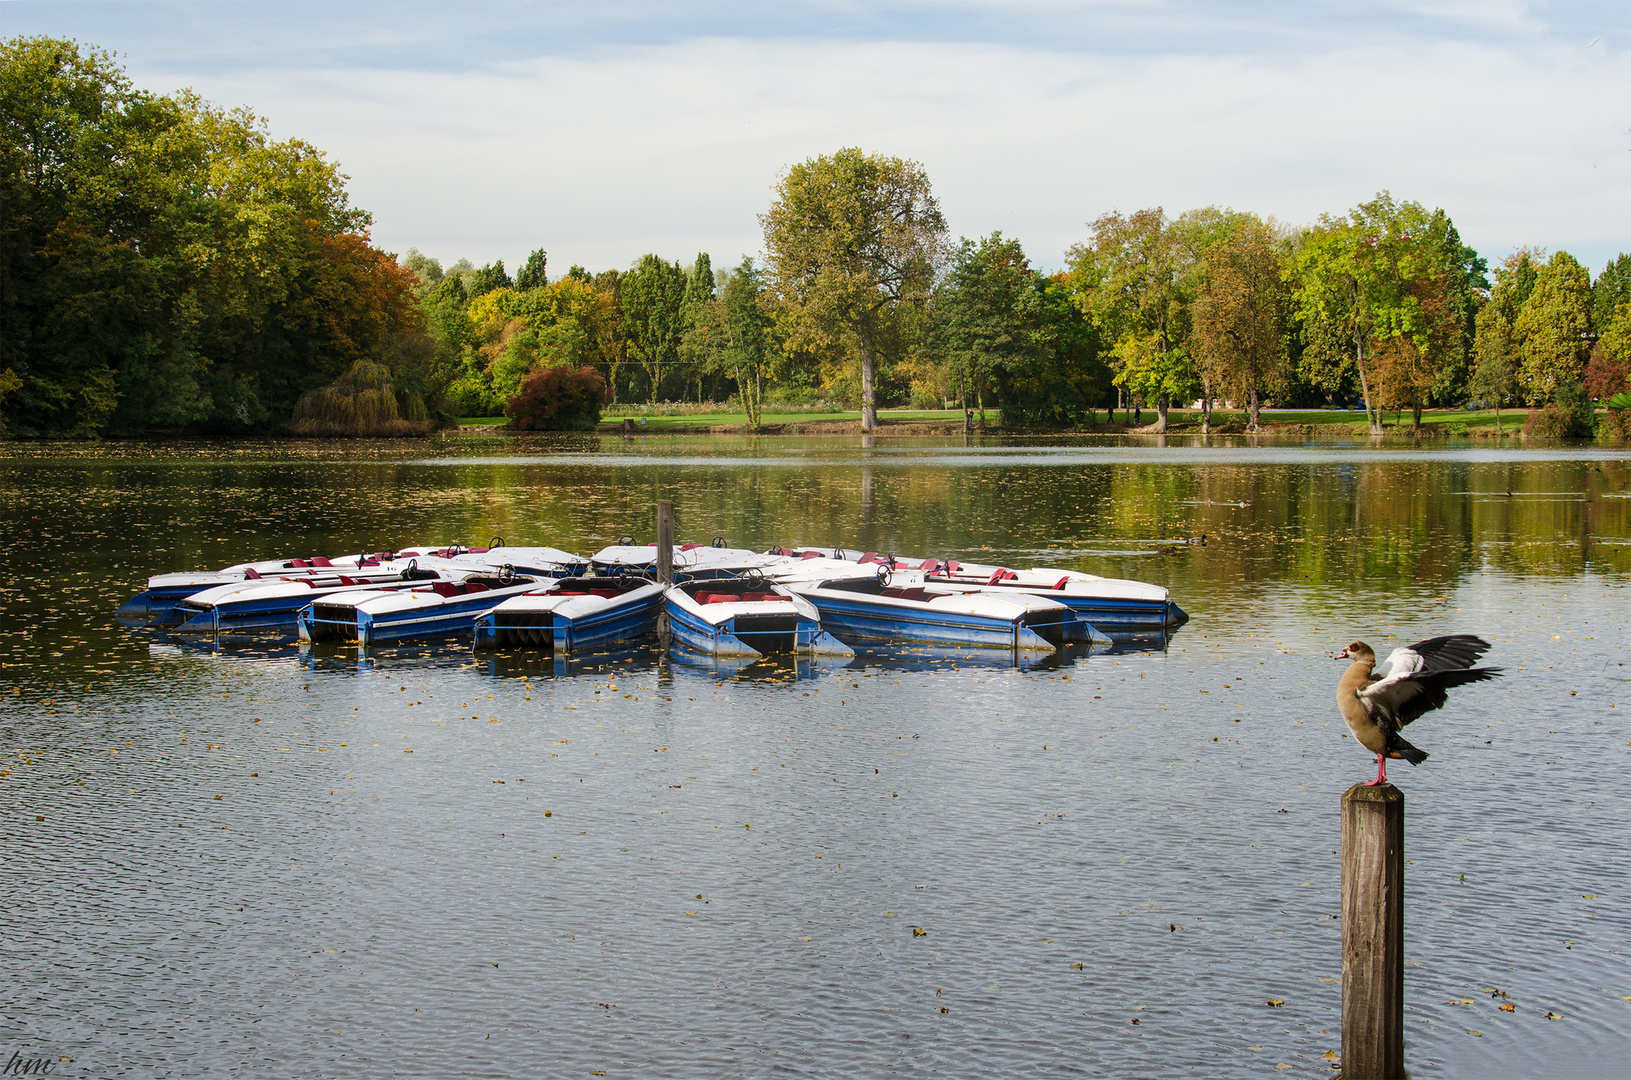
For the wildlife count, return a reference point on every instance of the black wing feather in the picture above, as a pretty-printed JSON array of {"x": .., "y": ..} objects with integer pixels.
[
  {"x": 1431, "y": 689},
  {"x": 1452, "y": 652}
]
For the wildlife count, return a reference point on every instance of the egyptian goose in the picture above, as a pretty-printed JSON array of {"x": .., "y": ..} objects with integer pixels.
[{"x": 1414, "y": 680}]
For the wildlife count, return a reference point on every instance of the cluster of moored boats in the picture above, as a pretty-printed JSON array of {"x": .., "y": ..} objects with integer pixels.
[{"x": 723, "y": 601}]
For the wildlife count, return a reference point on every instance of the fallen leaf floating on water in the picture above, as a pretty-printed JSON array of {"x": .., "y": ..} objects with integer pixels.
[
  {"x": 1078, "y": 967},
  {"x": 1550, "y": 1015},
  {"x": 1508, "y": 1007},
  {"x": 918, "y": 931},
  {"x": 1275, "y": 1003},
  {"x": 1331, "y": 1055},
  {"x": 1173, "y": 928},
  {"x": 1478, "y": 1034}
]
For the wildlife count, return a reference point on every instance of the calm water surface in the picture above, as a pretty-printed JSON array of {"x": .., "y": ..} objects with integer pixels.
[{"x": 229, "y": 859}]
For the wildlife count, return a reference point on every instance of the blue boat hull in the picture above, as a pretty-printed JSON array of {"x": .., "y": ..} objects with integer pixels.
[
  {"x": 748, "y": 635},
  {"x": 550, "y": 630},
  {"x": 364, "y": 628},
  {"x": 857, "y": 619}
]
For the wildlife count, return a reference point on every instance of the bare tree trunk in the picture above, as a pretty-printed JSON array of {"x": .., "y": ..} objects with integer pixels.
[
  {"x": 1372, "y": 417},
  {"x": 979, "y": 395},
  {"x": 1256, "y": 408},
  {"x": 1415, "y": 409},
  {"x": 869, "y": 407},
  {"x": 1161, "y": 414}
]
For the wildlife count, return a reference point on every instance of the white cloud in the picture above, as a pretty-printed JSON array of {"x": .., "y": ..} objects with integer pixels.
[{"x": 673, "y": 148}]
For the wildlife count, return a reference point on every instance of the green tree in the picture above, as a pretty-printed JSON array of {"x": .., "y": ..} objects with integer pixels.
[
  {"x": 1131, "y": 278},
  {"x": 851, "y": 238},
  {"x": 489, "y": 277},
  {"x": 733, "y": 333},
  {"x": 425, "y": 268},
  {"x": 652, "y": 296},
  {"x": 1495, "y": 379},
  {"x": 989, "y": 314},
  {"x": 699, "y": 292},
  {"x": 1380, "y": 273},
  {"x": 1240, "y": 313},
  {"x": 534, "y": 273},
  {"x": 1553, "y": 328},
  {"x": 1059, "y": 383},
  {"x": 164, "y": 262},
  {"x": 1611, "y": 289}
]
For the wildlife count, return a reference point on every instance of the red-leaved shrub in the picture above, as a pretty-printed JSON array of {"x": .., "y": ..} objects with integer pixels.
[{"x": 559, "y": 399}]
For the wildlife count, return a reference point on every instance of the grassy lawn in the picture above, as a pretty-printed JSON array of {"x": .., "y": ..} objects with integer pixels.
[
  {"x": 1511, "y": 419},
  {"x": 737, "y": 419}
]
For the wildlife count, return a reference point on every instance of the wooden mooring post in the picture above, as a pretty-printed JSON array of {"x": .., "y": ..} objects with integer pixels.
[
  {"x": 665, "y": 562},
  {"x": 665, "y": 541},
  {"x": 1373, "y": 933}
]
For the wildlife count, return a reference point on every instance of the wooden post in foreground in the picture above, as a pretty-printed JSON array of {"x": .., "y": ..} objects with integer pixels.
[
  {"x": 1373, "y": 933},
  {"x": 665, "y": 542}
]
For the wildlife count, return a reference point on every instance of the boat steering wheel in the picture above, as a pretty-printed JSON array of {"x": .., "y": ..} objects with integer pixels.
[
  {"x": 411, "y": 571},
  {"x": 506, "y": 574},
  {"x": 884, "y": 573}
]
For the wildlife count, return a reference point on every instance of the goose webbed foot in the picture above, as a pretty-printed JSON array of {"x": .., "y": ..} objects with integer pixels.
[{"x": 1381, "y": 773}]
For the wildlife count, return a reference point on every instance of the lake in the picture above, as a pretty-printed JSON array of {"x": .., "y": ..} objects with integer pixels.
[{"x": 230, "y": 858}]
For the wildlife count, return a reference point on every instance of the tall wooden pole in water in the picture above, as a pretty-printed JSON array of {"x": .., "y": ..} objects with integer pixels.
[
  {"x": 1373, "y": 933},
  {"x": 665, "y": 542}
]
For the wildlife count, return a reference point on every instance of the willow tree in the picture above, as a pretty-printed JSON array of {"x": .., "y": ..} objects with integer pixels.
[
  {"x": 851, "y": 238},
  {"x": 1240, "y": 312}
]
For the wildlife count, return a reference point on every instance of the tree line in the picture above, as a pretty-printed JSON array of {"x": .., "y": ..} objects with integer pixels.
[{"x": 165, "y": 264}]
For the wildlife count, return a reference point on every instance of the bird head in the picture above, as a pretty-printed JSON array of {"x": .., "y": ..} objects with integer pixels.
[{"x": 1357, "y": 650}]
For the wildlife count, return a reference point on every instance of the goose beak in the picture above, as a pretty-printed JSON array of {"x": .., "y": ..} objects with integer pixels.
[{"x": 1343, "y": 655}]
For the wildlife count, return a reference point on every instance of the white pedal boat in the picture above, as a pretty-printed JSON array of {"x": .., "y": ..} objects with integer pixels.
[
  {"x": 572, "y": 614},
  {"x": 747, "y": 617}
]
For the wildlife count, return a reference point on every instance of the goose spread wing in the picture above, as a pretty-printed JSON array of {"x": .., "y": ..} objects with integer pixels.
[
  {"x": 1453, "y": 652},
  {"x": 1404, "y": 696}
]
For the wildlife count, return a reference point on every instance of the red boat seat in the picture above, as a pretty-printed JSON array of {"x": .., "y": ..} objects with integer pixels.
[
  {"x": 251, "y": 574},
  {"x": 318, "y": 560},
  {"x": 915, "y": 592},
  {"x": 869, "y": 557},
  {"x": 1001, "y": 574},
  {"x": 446, "y": 588},
  {"x": 1062, "y": 582},
  {"x": 298, "y": 564}
]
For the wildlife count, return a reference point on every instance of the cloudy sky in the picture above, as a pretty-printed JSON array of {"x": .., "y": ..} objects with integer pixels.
[{"x": 601, "y": 131}]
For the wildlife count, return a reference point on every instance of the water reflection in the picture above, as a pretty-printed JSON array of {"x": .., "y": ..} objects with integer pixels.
[{"x": 434, "y": 863}]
